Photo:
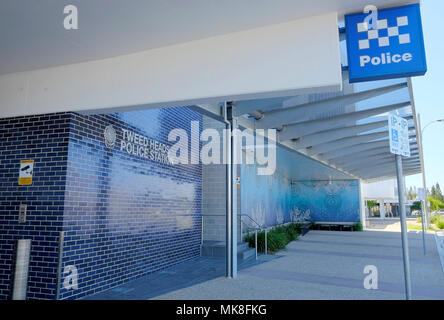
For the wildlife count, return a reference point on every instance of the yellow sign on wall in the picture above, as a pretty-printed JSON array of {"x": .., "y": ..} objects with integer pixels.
[{"x": 25, "y": 173}]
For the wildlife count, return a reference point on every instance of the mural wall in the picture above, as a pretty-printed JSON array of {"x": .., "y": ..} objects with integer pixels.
[
  {"x": 328, "y": 200},
  {"x": 281, "y": 197}
]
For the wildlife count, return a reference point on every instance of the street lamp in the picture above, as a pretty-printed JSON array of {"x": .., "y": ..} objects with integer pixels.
[
  {"x": 426, "y": 215},
  {"x": 431, "y": 122}
]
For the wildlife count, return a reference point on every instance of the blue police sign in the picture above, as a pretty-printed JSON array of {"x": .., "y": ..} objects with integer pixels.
[{"x": 391, "y": 46}]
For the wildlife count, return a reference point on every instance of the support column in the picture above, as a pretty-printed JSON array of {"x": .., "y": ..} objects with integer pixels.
[
  {"x": 362, "y": 207},
  {"x": 426, "y": 213},
  {"x": 382, "y": 209},
  {"x": 234, "y": 197},
  {"x": 232, "y": 169},
  {"x": 405, "y": 247}
]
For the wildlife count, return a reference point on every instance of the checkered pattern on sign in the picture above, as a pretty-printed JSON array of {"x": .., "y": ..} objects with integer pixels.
[{"x": 383, "y": 40}]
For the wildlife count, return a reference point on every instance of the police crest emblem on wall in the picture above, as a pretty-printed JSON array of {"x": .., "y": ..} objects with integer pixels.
[{"x": 110, "y": 136}]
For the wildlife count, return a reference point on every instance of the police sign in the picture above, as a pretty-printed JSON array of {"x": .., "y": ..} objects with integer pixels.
[{"x": 389, "y": 45}]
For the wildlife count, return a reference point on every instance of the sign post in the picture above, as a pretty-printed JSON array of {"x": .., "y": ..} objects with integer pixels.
[
  {"x": 422, "y": 199},
  {"x": 399, "y": 145}
]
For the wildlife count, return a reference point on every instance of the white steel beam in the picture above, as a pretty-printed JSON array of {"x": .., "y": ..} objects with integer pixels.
[
  {"x": 384, "y": 167},
  {"x": 346, "y": 142},
  {"x": 301, "y": 113},
  {"x": 365, "y": 154},
  {"x": 309, "y": 127},
  {"x": 377, "y": 163},
  {"x": 336, "y": 134},
  {"x": 365, "y": 159},
  {"x": 359, "y": 148}
]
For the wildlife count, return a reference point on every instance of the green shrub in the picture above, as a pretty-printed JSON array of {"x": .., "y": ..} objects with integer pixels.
[
  {"x": 435, "y": 204},
  {"x": 292, "y": 231},
  {"x": 276, "y": 241},
  {"x": 372, "y": 203},
  {"x": 434, "y": 219},
  {"x": 277, "y": 238},
  {"x": 416, "y": 206},
  {"x": 437, "y": 220},
  {"x": 357, "y": 226}
]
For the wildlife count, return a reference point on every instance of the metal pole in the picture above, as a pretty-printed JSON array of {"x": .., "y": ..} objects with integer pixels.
[
  {"x": 424, "y": 185},
  {"x": 255, "y": 241},
  {"x": 229, "y": 235},
  {"x": 231, "y": 225},
  {"x": 423, "y": 231},
  {"x": 234, "y": 169},
  {"x": 266, "y": 247},
  {"x": 405, "y": 247},
  {"x": 201, "y": 233}
]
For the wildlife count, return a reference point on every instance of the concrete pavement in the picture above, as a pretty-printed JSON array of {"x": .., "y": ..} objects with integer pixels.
[{"x": 329, "y": 265}]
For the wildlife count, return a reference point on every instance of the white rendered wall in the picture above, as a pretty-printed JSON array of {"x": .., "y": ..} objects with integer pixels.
[
  {"x": 300, "y": 56},
  {"x": 384, "y": 190}
]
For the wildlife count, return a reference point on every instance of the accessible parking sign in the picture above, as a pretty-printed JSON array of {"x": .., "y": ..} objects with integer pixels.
[{"x": 399, "y": 135}]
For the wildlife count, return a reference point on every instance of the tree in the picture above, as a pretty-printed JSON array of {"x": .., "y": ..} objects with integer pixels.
[
  {"x": 439, "y": 195},
  {"x": 435, "y": 204},
  {"x": 416, "y": 206},
  {"x": 372, "y": 203},
  {"x": 411, "y": 194},
  {"x": 433, "y": 192}
]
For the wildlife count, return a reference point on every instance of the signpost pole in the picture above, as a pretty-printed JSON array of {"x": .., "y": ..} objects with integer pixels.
[
  {"x": 405, "y": 248},
  {"x": 421, "y": 197},
  {"x": 425, "y": 214},
  {"x": 229, "y": 235},
  {"x": 400, "y": 146},
  {"x": 423, "y": 231}
]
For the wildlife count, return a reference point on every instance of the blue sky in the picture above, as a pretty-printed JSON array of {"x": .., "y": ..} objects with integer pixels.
[{"x": 429, "y": 93}]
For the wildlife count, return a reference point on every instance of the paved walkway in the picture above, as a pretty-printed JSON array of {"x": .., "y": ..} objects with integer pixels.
[
  {"x": 329, "y": 265},
  {"x": 182, "y": 275},
  {"x": 388, "y": 224}
]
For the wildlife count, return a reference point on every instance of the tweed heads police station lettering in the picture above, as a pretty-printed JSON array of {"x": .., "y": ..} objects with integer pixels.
[
  {"x": 186, "y": 150},
  {"x": 137, "y": 145},
  {"x": 143, "y": 147}
]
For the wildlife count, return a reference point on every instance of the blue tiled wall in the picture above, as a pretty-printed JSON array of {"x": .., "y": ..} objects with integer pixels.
[
  {"x": 44, "y": 139},
  {"x": 126, "y": 216},
  {"x": 281, "y": 198},
  {"x": 330, "y": 201},
  {"x": 123, "y": 216}
]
